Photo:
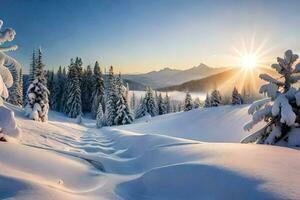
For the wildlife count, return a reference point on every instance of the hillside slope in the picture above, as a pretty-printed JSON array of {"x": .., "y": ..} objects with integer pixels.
[{"x": 64, "y": 160}]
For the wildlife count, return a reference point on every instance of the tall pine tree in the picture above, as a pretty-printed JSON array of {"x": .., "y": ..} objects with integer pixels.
[
  {"x": 73, "y": 106},
  {"x": 110, "y": 98},
  {"x": 98, "y": 90}
]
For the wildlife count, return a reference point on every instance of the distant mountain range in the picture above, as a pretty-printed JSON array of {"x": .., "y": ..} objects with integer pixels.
[
  {"x": 169, "y": 77},
  {"x": 225, "y": 81}
]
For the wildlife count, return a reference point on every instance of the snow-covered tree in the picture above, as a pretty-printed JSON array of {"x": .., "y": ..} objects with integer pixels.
[
  {"x": 37, "y": 101},
  {"x": 37, "y": 104},
  {"x": 39, "y": 72},
  {"x": 161, "y": 105},
  {"x": 215, "y": 98},
  {"x": 87, "y": 87},
  {"x": 98, "y": 89},
  {"x": 50, "y": 86},
  {"x": 140, "y": 110},
  {"x": 280, "y": 110},
  {"x": 167, "y": 103},
  {"x": 73, "y": 105},
  {"x": 207, "y": 103},
  {"x": 100, "y": 121},
  {"x": 32, "y": 69},
  {"x": 8, "y": 123},
  {"x": 197, "y": 103},
  {"x": 123, "y": 113},
  {"x": 149, "y": 102},
  {"x": 110, "y": 98},
  {"x": 64, "y": 94},
  {"x": 16, "y": 90},
  {"x": 188, "y": 102},
  {"x": 236, "y": 97}
]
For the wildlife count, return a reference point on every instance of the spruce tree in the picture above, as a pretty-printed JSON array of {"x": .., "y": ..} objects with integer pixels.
[
  {"x": 141, "y": 109},
  {"x": 167, "y": 104},
  {"x": 98, "y": 89},
  {"x": 32, "y": 69},
  {"x": 188, "y": 102},
  {"x": 73, "y": 105},
  {"x": 280, "y": 110},
  {"x": 161, "y": 105},
  {"x": 215, "y": 98},
  {"x": 149, "y": 103},
  {"x": 87, "y": 87},
  {"x": 110, "y": 98},
  {"x": 207, "y": 102},
  {"x": 37, "y": 104},
  {"x": 123, "y": 113},
  {"x": 236, "y": 97},
  {"x": 16, "y": 90},
  {"x": 50, "y": 86},
  {"x": 39, "y": 69},
  {"x": 64, "y": 95}
]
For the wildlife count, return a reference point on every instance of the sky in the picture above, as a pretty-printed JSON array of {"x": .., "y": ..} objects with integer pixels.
[{"x": 145, "y": 35}]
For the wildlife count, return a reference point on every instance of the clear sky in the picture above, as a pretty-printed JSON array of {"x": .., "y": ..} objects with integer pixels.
[{"x": 146, "y": 35}]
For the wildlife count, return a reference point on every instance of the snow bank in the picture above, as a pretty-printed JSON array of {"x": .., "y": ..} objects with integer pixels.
[{"x": 216, "y": 124}]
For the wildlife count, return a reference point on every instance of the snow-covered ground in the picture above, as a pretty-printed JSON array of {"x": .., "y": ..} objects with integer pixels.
[{"x": 64, "y": 160}]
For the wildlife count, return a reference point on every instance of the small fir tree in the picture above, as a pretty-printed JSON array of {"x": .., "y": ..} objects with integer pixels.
[{"x": 280, "y": 110}]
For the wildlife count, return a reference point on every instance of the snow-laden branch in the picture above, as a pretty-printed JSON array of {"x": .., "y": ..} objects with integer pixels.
[
  {"x": 270, "y": 89},
  {"x": 255, "y": 106},
  {"x": 270, "y": 79}
]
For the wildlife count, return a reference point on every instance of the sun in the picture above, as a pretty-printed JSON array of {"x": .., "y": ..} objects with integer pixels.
[{"x": 249, "y": 61}]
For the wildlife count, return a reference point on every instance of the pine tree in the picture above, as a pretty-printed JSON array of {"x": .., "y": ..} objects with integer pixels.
[
  {"x": 39, "y": 69},
  {"x": 236, "y": 97},
  {"x": 111, "y": 98},
  {"x": 37, "y": 104},
  {"x": 141, "y": 109},
  {"x": 149, "y": 103},
  {"x": 87, "y": 87},
  {"x": 188, "y": 102},
  {"x": 56, "y": 94},
  {"x": 161, "y": 105},
  {"x": 207, "y": 101},
  {"x": 100, "y": 117},
  {"x": 50, "y": 86},
  {"x": 167, "y": 104},
  {"x": 123, "y": 115},
  {"x": 280, "y": 110},
  {"x": 73, "y": 105},
  {"x": 98, "y": 89},
  {"x": 215, "y": 98},
  {"x": 64, "y": 95},
  {"x": 32, "y": 69},
  {"x": 16, "y": 90}
]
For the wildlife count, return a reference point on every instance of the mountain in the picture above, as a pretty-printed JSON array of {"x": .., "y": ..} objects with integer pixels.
[
  {"x": 168, "y": 77},
  {"x": 225, "y": 81}
]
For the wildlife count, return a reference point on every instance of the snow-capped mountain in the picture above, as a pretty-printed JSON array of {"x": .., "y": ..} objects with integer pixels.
[{"x": 168, "y": 77}]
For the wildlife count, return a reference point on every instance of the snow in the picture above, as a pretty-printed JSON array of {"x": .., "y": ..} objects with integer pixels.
[
  {"x": 65, "y": 160},
  {"x": 216, "y": 124}
]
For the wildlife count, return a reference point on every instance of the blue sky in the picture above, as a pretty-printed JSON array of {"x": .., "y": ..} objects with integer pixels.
[{"x": 145, "y": 35}]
